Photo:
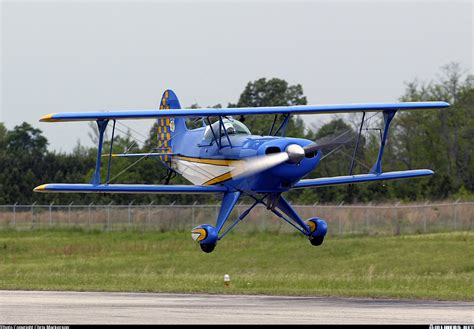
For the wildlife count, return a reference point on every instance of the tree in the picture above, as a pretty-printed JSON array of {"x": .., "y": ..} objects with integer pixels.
[
  {"x": 3, "y": 137},
  {"x": 440, "y": 140},
  {"x": 273, "y": 92},
  {"x": 25, "y": 138}
]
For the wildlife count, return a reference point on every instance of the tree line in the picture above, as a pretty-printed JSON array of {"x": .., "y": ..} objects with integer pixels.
[{"x": 440, "y": 140}]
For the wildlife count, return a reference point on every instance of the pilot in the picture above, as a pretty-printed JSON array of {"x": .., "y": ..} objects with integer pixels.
[{"x": 230, "y": 130}]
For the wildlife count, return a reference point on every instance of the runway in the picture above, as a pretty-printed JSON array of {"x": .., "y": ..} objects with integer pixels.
[{"x": 54, "y": 307}]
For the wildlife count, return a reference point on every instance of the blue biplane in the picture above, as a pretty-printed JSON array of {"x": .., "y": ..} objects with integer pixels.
[{"x": 223, "y": 157}]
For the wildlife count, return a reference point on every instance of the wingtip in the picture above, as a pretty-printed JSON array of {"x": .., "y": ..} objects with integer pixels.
[
  {"x": 40, "y": 188},
  {"x": 47, "y": 118}
]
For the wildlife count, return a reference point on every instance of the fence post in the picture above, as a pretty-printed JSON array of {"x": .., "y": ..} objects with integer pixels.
[
  {"x": 69, "y": 212},
  {"x": 455, "y": 214},
  {"x": 397, "y": 224},
  {"x": 149, "y": 213},
  {"x": 50, "y": 215},
  {"x": 367, "y": 216},
  {"x": 108, "y": 214},
  {"x": 130, "y": 213},
  {"x": 339, "y": 219},
  {"x": 424, "y": 216},
  {"x": 192, "y": 213},
  {"x": 14, "y": 214},
  {"x": 33, "y": 215},
  {"x": 90, "y": 215},
  {"x": 175, "y": 223}
]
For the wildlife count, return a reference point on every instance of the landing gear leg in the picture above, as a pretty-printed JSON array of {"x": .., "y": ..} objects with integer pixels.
[
  {"x": 208, "y": 235},
  {"x": 314, "y": 228}
]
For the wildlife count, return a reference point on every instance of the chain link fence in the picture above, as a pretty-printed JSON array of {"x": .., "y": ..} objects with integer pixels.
[{"x": 394, "y": 219}]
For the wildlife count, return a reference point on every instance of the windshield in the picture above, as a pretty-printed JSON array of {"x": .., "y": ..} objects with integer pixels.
[{"x": 233, "y": 127}]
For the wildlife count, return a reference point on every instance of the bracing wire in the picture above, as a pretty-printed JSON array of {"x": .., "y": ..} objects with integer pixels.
[{"x": 343, "y": 134}]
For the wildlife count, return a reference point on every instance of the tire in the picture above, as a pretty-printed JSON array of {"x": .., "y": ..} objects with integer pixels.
[
  {"x": 207, "y": 248},
  {"x": 316, "y": 240}
]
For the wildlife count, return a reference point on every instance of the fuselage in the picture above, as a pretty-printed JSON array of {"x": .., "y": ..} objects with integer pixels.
[{"x": 204, "y": 159}]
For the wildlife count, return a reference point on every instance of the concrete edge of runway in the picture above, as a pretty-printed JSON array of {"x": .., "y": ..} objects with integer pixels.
[{"x": 79, "y": 307}]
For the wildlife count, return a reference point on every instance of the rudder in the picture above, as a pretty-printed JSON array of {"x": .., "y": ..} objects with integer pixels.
[{"x": 168, "y": 128}]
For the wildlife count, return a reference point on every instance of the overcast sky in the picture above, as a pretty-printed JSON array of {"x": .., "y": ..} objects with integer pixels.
[{"x": 107, "y": 55}]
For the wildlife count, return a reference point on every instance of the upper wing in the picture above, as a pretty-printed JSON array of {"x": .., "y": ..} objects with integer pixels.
[
  {"x": 129, "y": 188},
  {"x": 203, "y": 112},
  {"x": 327, "y": 181}
]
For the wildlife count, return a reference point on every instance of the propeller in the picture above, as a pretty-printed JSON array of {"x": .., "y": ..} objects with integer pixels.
[
  {"x": 293, "y": 153},
  {"x": 329, "y": 142}
]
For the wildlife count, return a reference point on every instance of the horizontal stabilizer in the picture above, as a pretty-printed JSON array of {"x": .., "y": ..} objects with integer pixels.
[
  {"x": 128, "y": 188},
  {"x": 327, "y": 181},
  {"x": 205, "y": 112}
]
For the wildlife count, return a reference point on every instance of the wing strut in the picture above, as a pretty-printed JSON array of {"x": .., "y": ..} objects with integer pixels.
[
  {"x": 387, "y": 117},
  {"x": 283, "y": 125},
  {"x": 222, "y": 128},
  {"x": 101, "y": 125},
  {"x": 110, "y": 154}
]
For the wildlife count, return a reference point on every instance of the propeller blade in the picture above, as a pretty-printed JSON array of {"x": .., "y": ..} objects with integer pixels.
[
  {"x": 257, "y": 164},
  {"x": 328, "y": 142}
]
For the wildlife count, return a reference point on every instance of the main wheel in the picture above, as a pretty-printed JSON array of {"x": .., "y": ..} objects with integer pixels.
[
  {"x": 207, "y": 247},
  {"x": 206, "y": 235},
  {"x": 316, "y": 240}
]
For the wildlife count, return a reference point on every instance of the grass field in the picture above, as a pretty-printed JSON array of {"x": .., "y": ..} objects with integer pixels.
[{"x": 435, "y": 266}]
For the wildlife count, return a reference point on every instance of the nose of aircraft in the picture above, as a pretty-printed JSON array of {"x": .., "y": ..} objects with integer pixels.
[
  {"x": 289, "y": 157},
  {"x": 282, "y": 162},
  {"x": 295, "y": 153}
]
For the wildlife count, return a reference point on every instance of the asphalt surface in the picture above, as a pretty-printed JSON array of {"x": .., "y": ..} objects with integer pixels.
[{"x": 54, "y": 307}]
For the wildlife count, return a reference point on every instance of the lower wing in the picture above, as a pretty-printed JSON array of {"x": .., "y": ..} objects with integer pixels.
[
  {"x": 129, "y": 188},
  {"x": 327, "y": 181}
]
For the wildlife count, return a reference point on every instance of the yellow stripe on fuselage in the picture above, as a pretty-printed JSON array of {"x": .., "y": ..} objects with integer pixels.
[
  {"x": 219, "y": 179},
  {"x": 218, "y": 162}
]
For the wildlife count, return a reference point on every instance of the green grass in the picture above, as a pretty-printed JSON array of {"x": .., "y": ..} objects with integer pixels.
[{"x": 435, "y": 266}]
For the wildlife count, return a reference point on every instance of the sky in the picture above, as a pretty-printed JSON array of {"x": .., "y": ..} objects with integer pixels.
[{"x": 121, "y": 55}]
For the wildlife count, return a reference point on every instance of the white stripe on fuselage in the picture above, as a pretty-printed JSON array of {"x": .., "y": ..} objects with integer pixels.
[{"x": 199, "y": 173}]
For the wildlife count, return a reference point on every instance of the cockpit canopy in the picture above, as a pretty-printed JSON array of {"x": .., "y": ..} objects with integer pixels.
[{"x": 232, "y": 126}]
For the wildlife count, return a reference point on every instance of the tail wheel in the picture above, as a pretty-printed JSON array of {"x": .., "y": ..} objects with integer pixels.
[{"x": 208, "y": 247}]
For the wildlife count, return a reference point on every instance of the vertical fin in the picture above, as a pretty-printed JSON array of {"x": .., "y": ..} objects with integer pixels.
[{"x": 167, "y": 128}]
